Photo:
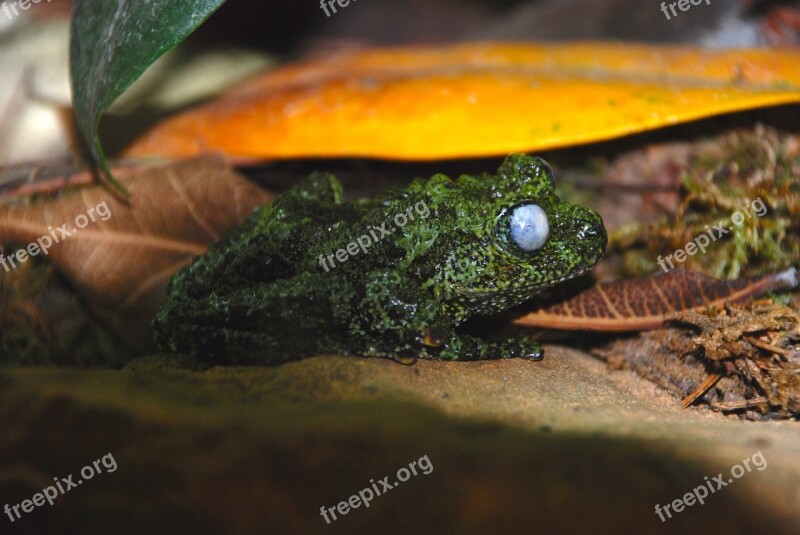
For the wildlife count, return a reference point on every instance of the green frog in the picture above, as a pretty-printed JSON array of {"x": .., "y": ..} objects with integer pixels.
[{"x": 391, "y": 276}]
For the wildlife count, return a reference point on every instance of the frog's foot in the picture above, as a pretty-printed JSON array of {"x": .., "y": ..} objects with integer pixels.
[
  {"x": 404, "y": 360},
  {"x": 471, "y": 348},
  {"x": 523, "y": 347},
  {"x": 432, "y": 337}
]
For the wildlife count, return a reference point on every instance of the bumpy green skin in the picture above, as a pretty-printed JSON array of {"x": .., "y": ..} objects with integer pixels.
[{"x": 262, "y": 294}]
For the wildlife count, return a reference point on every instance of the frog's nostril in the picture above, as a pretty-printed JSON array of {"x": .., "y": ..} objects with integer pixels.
[
  {"x": 590, "y": 231},
  {"x": 596, "y": 232}
]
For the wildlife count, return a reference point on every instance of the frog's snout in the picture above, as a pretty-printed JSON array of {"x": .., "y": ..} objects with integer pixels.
[
  {"x": 592, "y": 237},
  {"x": 583, "y": 232}
]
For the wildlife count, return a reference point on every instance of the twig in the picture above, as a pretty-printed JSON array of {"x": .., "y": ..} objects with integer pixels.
[
  {"x": 710, "y": 381},
  {"x": 768, "y": 347},
  {"x": 739, "y": 405}
]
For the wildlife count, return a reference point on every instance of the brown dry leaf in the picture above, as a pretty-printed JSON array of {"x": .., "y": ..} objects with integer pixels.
[
  {"x": 644, "y": 303},
  {"x": 122, "y": 261},
  {"x": 724, "y": 332},
  {"x": 758, "y": 342},
  {"x": 741, "y": 359},
  {"x": 666, "y": 358}
]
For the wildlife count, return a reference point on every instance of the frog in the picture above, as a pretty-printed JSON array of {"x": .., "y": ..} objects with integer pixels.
[{"x": 395, "y": 275}]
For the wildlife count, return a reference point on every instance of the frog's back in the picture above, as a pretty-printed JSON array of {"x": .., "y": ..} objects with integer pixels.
[{"x": 273, "y": 243}]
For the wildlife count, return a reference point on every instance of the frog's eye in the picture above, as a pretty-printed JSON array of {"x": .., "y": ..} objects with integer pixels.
[
  {"x": 528, "y": 227},
  {"x": 524, "y": 226}
]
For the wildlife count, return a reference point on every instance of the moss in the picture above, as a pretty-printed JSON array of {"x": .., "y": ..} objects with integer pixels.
[
  {"x": 741, "y": 191},
  {"x": 42, "y": 322}
]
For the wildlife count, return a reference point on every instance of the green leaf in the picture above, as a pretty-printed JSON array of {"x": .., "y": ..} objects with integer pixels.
[{"x": 112, "y": 44}]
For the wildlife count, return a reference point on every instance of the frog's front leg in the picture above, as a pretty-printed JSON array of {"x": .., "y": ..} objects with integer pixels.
[
  {"x": 395, "y": 318},
  {"x": 399, "y": 319},
  {"x": 463, "y": 347}
]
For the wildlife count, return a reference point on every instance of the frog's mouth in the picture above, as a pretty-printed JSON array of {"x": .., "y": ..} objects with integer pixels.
[
  {"x": 571, "y": 275},
  {"x": 473, "y": 293}
]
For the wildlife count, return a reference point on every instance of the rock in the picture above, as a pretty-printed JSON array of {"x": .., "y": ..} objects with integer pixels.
[{"x": 560, "y": 445}]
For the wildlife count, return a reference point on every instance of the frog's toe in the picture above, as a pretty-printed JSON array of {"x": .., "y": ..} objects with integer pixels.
[
  {"x": 432, "y": 337},
  {"x": 404, "y": 360},
  {"x": 525, "y": 348},
  {"x": 535, "y": 356}
]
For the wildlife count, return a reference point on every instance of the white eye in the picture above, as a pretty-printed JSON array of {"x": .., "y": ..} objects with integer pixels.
[{"x": 528, "y": 227}]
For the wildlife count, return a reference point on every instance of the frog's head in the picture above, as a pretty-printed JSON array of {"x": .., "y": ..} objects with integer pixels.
[{"x": 512, "y": 237}]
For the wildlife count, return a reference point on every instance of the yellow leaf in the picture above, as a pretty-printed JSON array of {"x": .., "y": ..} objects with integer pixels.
[{"x": 474, "y": 100}]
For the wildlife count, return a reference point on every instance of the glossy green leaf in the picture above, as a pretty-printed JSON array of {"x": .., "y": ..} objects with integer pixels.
[{"x": 113, "y": 43}]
